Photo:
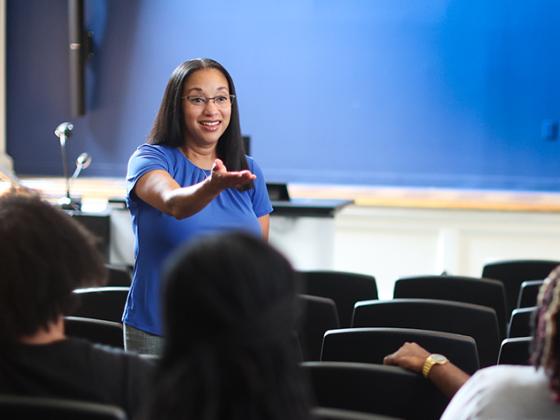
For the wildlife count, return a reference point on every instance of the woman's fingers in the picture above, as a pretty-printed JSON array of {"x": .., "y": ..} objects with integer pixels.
[{"x": 224, "y": 179}]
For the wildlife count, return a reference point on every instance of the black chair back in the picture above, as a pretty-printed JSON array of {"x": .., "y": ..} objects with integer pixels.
[
  {"x": 478, "y": 291},
  {"x": 478, "y": 322},
  {"x": 105, "y": 303},
  {"x": 515, "y": 351},
  {"x": 378, "y": 389},
  {"x": 528, "y": 293},
  {"x": 319, "y": 315},
  {"x": 95, "y": 330},
  {"x": 514, "y": 272},
  {"x": 322, "y": 413},
  {"x": 343, "y": 287},
  {"x": 119, "y": 275},
  {"x": 520, "y": 323},
  {"x": 371, "y": 345},
  {"x": 22, "y": 407}
]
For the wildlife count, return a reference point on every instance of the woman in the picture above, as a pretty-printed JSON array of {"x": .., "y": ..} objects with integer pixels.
[
  {"x": 230, "y": 313},
  {"x": 501, "y": 392},
  {"x": 193, "y": 178}
]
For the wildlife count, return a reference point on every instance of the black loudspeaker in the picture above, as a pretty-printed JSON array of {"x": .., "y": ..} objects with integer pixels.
[{"x": 78, "y": 50}]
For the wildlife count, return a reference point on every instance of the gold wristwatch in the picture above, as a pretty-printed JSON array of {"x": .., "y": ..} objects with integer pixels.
[{"x": 431, "y": 360}]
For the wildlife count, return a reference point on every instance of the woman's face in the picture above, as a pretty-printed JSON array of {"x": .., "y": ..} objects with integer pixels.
[{"x": 206, "y": 120}]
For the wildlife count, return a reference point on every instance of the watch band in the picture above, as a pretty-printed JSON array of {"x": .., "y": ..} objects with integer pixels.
[{"x": 431, "y": 360}]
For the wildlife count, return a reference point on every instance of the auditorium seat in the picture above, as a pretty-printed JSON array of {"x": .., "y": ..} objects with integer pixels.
[
  {"x": 528, "y": 293},
  {"x": 474, "y": 290},
  {"x": 371, "y": 345},
  {"x": 322, "y": 413},
  {"x": 515, "y": 351},
  {"x": 105, "y": 303},
  {"x": 319, "y": 315},
  {"x": 24, "y": 407},
  {"x": 119, "y": 275},
  {"x": 476, "y": 321},
  {"x": 520, "y": 322},
  {"x": 344, "y": 288},
  {"x": 377, "y": 389},
  {"x": 95, "y": 330},
  {"x": 514, "y": 272}
]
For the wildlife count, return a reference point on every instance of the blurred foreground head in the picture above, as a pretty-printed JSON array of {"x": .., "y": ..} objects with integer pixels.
[
  {"x": 230, "y": 312},
  {"x": 44, "y": 256}
]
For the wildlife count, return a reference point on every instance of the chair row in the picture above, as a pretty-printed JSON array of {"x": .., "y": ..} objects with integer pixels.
[
  {"x": 479, "y": 322},
  {"x": 16, "y": 406},
  {"x": 390, "y": 390},
  {"x": 347, "y": 288},
  {"x": 367, "y": 345},
  {"x": 107, "y": 304},
  {"x": 371, "y": 345}
]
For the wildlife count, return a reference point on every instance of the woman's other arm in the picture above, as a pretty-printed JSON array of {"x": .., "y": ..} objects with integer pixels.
[{"x": 264, "y": 221}]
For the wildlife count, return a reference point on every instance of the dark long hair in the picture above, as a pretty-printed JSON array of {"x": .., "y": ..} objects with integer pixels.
[
  {"x": 230, "y": 313},
  {"x": 169, "y": 125},
  {"x": 545, "y": 347}
]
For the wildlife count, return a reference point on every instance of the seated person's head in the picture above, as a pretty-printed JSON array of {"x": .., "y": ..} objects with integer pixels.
[
  {"x": 230, "y": 313},
  {"x": 44, "y": 256},
  {"x": 546, "y": 338}
]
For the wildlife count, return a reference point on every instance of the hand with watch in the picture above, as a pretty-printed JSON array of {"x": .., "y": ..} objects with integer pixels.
[{"x": 415, "y": 358}]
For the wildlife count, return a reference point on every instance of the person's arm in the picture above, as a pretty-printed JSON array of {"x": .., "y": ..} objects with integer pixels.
[
  {"x": 160, "y": 190},
  {"x": 448, "y": 378},
  {"x": 264, "y": 221}
]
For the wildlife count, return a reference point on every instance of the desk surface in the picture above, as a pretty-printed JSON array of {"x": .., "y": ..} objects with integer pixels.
[
  {"x": 430, "y": 198},
  {"x": 309, "y": 207}
]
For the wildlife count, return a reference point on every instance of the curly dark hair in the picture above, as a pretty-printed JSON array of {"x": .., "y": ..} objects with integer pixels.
[
  {"x": 230, "y": 312},
  {"x": 169, "y": 125},
  {"x": 44, "y": 255},
  {"x": 545, "y": 346}
]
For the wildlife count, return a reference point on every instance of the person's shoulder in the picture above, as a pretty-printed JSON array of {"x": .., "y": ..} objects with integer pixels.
[
  {"x": 151, "y": 154},
  {"x": 494, "y": 391},
  {"x": 252, "y": 164},
  {"x": 496, "y": 381},
  {"x": 513, "y": 392},
  {"x": 148, "y": 148},
  {"x": 505, "y": 373},
  {"x": 250, "y": 161},
  {"x": 519, "y": 377}
]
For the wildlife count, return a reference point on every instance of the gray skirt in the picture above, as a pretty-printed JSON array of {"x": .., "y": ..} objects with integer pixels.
[{"x": 141, "y": 342}]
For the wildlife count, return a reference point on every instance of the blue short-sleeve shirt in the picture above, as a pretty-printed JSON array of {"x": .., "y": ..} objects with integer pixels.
[{"x": 157, "y": 234}]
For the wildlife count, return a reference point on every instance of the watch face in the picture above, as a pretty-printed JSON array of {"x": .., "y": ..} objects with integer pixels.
[{"x": 438, "y": 358}]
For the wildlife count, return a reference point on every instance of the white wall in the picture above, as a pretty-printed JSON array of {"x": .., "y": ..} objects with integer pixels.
[{"x": 390, "y": 242}]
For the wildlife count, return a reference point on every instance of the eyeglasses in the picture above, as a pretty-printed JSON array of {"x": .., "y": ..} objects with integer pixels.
[{"x": 221, "y": 101}]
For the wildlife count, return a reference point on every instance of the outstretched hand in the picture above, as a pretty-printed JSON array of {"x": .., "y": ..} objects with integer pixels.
[
  {"x": 410, "y": 356},
  {"x": 221, "y": 178}
]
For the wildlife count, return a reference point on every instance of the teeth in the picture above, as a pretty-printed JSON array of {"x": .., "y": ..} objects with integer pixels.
[{"x": 209, "y": 123}]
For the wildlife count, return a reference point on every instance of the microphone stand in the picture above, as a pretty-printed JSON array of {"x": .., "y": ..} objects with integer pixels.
[
  {"x": 65, "y": 167},
  {"x": 66, "y": 203}
]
